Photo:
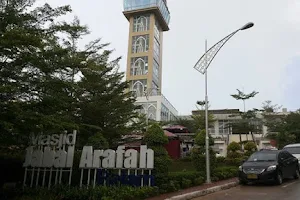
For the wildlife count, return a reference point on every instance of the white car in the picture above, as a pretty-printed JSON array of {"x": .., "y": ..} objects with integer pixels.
[{"x": 293, "y": 149}]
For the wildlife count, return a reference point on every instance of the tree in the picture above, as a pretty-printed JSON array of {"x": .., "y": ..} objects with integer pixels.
[
  {"x": 198, "y": 152},
  {"x": 156, "y": 140},
  {"x": 285, "y": 129},
  {"x": 242, "y": 96},
  {"x": 269, "y": 108},
  {"x": 199, "y": 120},
  {"x": 48, "y": 84},
  {"x": 247, "y": 122},
  {"x": 30, "y": 58}
]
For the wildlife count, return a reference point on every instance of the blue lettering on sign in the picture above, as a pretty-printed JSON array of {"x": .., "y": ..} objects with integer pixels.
[{"x": 109, "y": 178}]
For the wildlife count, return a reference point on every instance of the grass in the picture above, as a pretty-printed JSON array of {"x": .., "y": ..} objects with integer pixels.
[{"x": 179, "y": 165}]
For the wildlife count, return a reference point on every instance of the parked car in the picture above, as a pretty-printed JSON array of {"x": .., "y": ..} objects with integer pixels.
[
  {"x": 269, "y": 165},
  {"x": 293, "y": 149}
]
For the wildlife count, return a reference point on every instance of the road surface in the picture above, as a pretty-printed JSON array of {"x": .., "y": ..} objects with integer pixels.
[{"x": 289, "y": 190}]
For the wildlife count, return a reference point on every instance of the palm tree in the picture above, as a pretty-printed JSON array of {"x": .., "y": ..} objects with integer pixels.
[{"x": 242, "y": 96}]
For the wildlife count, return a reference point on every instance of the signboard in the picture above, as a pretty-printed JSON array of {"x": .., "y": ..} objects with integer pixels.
[
  {"x": 49, "y": 158},
  {"x": 133, "y": 167},
  {"x": 51, "y": 155}
]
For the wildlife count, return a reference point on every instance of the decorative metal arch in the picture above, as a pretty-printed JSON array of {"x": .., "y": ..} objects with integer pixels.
[{"x": 209, "y": 55}]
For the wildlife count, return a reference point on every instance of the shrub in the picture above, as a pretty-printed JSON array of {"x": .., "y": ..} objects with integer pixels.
[
  {"x": 155, "y": 136},
  {"x": 234, "y": 158},
  {"x": 200, "y": 139},
  {"x": 220, "y": 160},
  {"x": 250, "y": 146},
  {"x": 74, "y": 193},
  {"x": 233, "y": 147},
  {"x": 156, "y": 139},
  {"x": 198, "y": 153},
  {"x": 234, "y": 161},
  {"x": 225, "y": 173},
  {"x": 187, "y": 178},
  {"x": 186, "y": 159},
  {"x": 199, "y": 159}
]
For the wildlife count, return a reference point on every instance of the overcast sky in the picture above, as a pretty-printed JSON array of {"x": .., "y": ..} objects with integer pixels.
[{"x": 265, "y": 58}]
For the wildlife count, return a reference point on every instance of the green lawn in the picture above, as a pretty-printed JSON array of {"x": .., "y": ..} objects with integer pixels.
[{"x": 179, "y": 165}]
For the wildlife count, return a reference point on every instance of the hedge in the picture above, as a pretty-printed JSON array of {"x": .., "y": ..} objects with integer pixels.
[
  {"x": 174, "y": 181},
  {"x": 75, "y": 193}
]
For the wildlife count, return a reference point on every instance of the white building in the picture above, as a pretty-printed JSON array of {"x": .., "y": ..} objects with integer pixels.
[
  {"x": 159, "y": 108},
  {"x": 223, "y": 135}
]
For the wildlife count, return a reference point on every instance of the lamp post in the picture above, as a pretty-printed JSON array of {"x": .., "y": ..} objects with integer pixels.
[
  {"x": 147, "y": 93},
  {"x": 202, "y": 66}
]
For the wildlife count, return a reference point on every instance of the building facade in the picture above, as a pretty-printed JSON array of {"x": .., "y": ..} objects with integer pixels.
[
  {"x": 148, "y": 19},
  {"x": 223, "y": 134}
]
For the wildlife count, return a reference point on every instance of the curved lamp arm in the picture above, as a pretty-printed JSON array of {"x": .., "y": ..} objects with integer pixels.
[{"x": 205, "y": 60}]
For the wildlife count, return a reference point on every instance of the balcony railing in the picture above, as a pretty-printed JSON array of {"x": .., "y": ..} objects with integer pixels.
[{"x": 130, "y": 5}]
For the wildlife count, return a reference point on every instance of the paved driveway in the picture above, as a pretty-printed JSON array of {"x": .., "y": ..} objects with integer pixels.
[{"x": 289, "y": 190}]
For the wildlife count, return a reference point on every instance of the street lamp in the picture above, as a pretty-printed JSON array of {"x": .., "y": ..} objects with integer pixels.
[
  {"x": 201, "y": 66},
  {"x": 148, "y": 93}
]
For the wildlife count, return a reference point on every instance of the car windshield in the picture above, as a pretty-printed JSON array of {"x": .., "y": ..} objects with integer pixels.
[
  {"x": 293, "y": 150},
  {"x": 262, "y": 157}
]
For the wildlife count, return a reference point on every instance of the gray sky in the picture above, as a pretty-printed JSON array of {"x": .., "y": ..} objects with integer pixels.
[{"x": 265, "y": 58}]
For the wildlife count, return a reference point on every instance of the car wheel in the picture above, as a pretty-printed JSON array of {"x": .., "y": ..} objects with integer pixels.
[
  {"x": 297, "y": 173},
  {"x": 279, "y": 178}
]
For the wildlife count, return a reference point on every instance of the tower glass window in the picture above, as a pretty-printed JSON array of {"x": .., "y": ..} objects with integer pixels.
[
  {"x": 139, "y": 87},
  {"x": 164, "y": 113},
  {"x": 139, "y": 66},
  {"x": 140, "y": 43},
  {"x": 155, "y": 74},
  {"x": 154, "y": 88},
  {"x": 156, "y": 30},
  {"x": 141, "y": 23},
  {"x": 156, "y": 49}
]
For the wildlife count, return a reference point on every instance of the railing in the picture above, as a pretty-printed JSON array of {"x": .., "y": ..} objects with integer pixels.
[{"x": 141, "y": 4}]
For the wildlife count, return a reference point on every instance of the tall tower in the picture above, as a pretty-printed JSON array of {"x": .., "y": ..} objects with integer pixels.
[{"x": 148, "y": 20}]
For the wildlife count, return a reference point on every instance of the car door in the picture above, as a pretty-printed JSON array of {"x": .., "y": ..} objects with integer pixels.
[
  {"x": 293, "y": 162},
  {"x": 288, "y": 161},
  {"x": 284, "y": 164}
]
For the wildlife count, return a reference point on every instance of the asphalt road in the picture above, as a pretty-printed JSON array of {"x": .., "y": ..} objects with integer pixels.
[{"x": 289, "y": 190}]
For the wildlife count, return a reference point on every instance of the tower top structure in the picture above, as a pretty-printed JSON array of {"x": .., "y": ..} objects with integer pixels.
[{"x": 158, "y": 7}]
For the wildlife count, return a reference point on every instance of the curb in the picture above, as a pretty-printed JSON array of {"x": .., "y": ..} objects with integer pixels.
[{"x": 204, "y": 192}]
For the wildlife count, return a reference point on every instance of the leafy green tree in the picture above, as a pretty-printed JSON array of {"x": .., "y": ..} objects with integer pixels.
[
  {"x": 98, "y": 141},
  {"x": 30, "y": 60},
  {"x": 48, "y": 84},
  {"x": 199, "y": 120},
  {"x": 198, "y": 152},
  {"x": 243, "y": 125},
  {"x": 268, "y": 107},
  {"x": 156, "y": 140}
]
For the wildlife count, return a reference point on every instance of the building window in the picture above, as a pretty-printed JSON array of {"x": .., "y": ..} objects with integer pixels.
[
  {"x": 212, "y": 130},
  {"x": 141, "y": 23},
  {"x": 139, "y": 66},
  {"x": 140, "y": 43},
  {"x": 139, "y": 87},
  {"x": 157, "y": 30},
  {"x": 223, "y": 127},
  {"x": 156, "y": 49},
  {"x": 164, "y": 113},
  {"x": 155, "y": 89},
  {"x": 155, "y": 72}
]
